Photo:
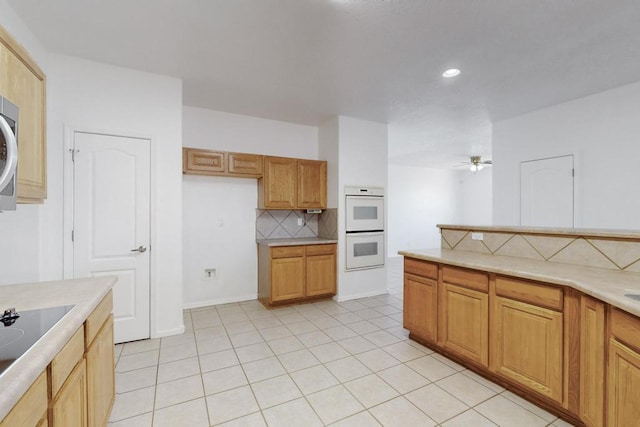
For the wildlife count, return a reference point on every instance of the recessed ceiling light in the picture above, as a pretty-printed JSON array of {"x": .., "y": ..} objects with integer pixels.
[{"x": 451, "y": 72}]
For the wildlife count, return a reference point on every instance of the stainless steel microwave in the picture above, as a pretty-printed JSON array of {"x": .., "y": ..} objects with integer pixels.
[{"x": 8, "y": 154}]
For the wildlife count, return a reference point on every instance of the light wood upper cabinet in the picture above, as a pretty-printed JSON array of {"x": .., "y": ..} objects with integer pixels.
[
  {"x": 592, "y": 362},
  {"x": 244, "y": 165},
  {"x": 293, "y": 184},
  {"x": 70, "y": 406},
  {"x": 312, "y": 184},
  {"x": 277, "y": 187},
  {"x": 101, "y": 376},
  {"x": 202, "y": 162},
  {"x": 23, "y": 83}
]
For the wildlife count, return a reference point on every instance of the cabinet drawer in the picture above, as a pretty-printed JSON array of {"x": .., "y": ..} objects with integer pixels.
[
  {"x": 287, "y": 252},
  {"x": 421, "y": 268},
  {"x": 31, "y": 407},
  {"x": 243, "y": 164},
  {"x": 533, "y": 293},
  {"x": 66, "y": 360},
  {"x": 626, "y": 328},
  {"x": 97, "y": 318},
  {"x": 320, "y": 250},
  {"x": 466, "y": 278}
]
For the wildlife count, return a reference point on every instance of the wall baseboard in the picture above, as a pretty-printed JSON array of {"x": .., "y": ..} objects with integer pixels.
[
  {"x": 218, "y": 301},
  {"x": 341, "y": 298},
  {"x": 168, "y": 332}
]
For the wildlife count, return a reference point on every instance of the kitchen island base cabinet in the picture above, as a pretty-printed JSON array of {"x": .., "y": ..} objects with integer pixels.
[
  {"x": 101, "y": 375},
  {"x": 623, "y": 386},
  {"x": 70, "y": 406},
  {"x": 31, "y": 409},
  {"x": 421, "y": 298},
  {"x": 528, "y": 346},
  {"x": 592, "y": 357},
  {"x": 463, "y": 316},
  {"x": 290, "y": 274}
]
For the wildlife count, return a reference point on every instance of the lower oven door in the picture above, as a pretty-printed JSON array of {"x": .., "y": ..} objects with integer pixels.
[{"x": 365, "y": 250}]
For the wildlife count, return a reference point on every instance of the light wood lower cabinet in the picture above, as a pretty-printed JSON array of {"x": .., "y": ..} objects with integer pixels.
[
  {"x": 101, "y": 375},
  {"x": 623, "y": 383},
  {"x": 420, "y": 306},
  {"x": 70, "y": 406},
  {"x": 527, "y": 346},
  {"x": 464, "y": 322},
  {"x": 296, "y": 273},
  {"x": 78, "y": 387},
  {"x": 31, "y": 409},
  {"x": 592, "y": 361},
  {"x": 463, "y": 313}
]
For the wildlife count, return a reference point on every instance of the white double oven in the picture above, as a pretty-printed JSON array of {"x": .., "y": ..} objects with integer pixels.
[{"x": 364, "y": 227}]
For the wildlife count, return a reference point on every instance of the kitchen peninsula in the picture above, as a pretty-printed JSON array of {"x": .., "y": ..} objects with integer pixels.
[
  {"x": 551, "y": 314},
  {"x": 67, "y": 376}
]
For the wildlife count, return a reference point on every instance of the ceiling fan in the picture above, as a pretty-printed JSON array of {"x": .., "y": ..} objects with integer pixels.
[{"x": 476, "y": 163}]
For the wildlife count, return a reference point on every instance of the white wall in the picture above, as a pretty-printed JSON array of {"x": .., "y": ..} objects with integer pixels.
[
  {"x": 421, "y": 198},
  {"x": 603, "y": 133},
  {"x": 418, "y": 199},
  {"x": 98, "y": 97},
  {"x": 220, "y": 213},
  {"x": 20, "y": 230},
  {"x": 475, "y": 197},
  {"x": 328, "y": 140},
  {"x": 362, "y": 161}
]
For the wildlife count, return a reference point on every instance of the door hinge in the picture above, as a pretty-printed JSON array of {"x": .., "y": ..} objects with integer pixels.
[
  {"x": 73, "y": 152},
  {"x": 573, "y": 172},
  {"x": 73, "y": 235}
]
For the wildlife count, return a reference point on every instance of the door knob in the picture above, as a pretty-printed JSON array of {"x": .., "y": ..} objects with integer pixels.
[{"x": 140, "y": 249}]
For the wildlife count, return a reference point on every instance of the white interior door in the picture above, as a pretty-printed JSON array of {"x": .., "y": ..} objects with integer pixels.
[
  {"x": 111, "y": 183},
  {"x": 546, "y": 192}
]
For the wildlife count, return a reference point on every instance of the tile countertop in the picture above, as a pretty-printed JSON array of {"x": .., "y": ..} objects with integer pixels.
[
  {"x": 606, "y": 285},
  {"x": 295, "y": 242},
  {"x": 84, "y": 294}
]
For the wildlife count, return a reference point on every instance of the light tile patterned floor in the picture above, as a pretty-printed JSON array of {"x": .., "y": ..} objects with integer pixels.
[{"x": 326, "y": 363}]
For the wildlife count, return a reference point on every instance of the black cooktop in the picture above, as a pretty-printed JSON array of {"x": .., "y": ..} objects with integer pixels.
[{"x": 19, "y": 333}]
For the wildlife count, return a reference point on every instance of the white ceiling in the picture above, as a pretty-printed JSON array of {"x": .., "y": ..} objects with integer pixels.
[{"x": 303, "y": 61}]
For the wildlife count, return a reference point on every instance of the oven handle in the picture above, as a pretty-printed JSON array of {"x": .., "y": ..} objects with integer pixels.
[{"x": 12, "y": 154}]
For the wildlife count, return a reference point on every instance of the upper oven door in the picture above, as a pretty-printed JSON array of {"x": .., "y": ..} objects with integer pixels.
[{"x": 365, "y": 213}]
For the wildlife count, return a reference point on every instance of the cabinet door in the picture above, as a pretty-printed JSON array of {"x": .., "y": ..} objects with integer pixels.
[
  {"x": 464, "y": 322},
  {"x": 70, "y": 407},
  {"x": 31, "y": 407},
  {"x": 321, "y": 275},
  {"x": 23, "y": 83},
  {"x": 244, "y": 165},
  {"x": 278, "y": 183},
  {"x": 420, "y": 303},
  {"x": 287, "y": 278},
  {"x": 312, "y": 184},
  {"x": 623, "y": 399},
  {"x": 202, "y": 162},
  {"x": 527, "y": 346},
  {"x": 101, "y": 376},
  {"x": 592, "y": 343}
]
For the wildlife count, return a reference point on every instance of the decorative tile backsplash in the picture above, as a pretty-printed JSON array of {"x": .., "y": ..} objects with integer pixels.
[
  {"x": 328, "y": 224},
  {"x": 610, "y": 253},
  {"x": 283, "y": 224}
]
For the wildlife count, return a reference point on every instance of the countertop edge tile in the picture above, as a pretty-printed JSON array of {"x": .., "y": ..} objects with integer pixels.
[
  {"x": 551, "y": 231},
  {"x": 84, "y": 294},
  {"x": 296, "y": 241},
  {"x": 606, "y": 285}
]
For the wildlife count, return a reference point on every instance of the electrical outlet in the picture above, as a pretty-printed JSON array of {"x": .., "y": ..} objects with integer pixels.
[
  {"x": 210, "y": 273},
  {"x": 300, "y": 221},
  {"x": 477, "y": 236}
]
